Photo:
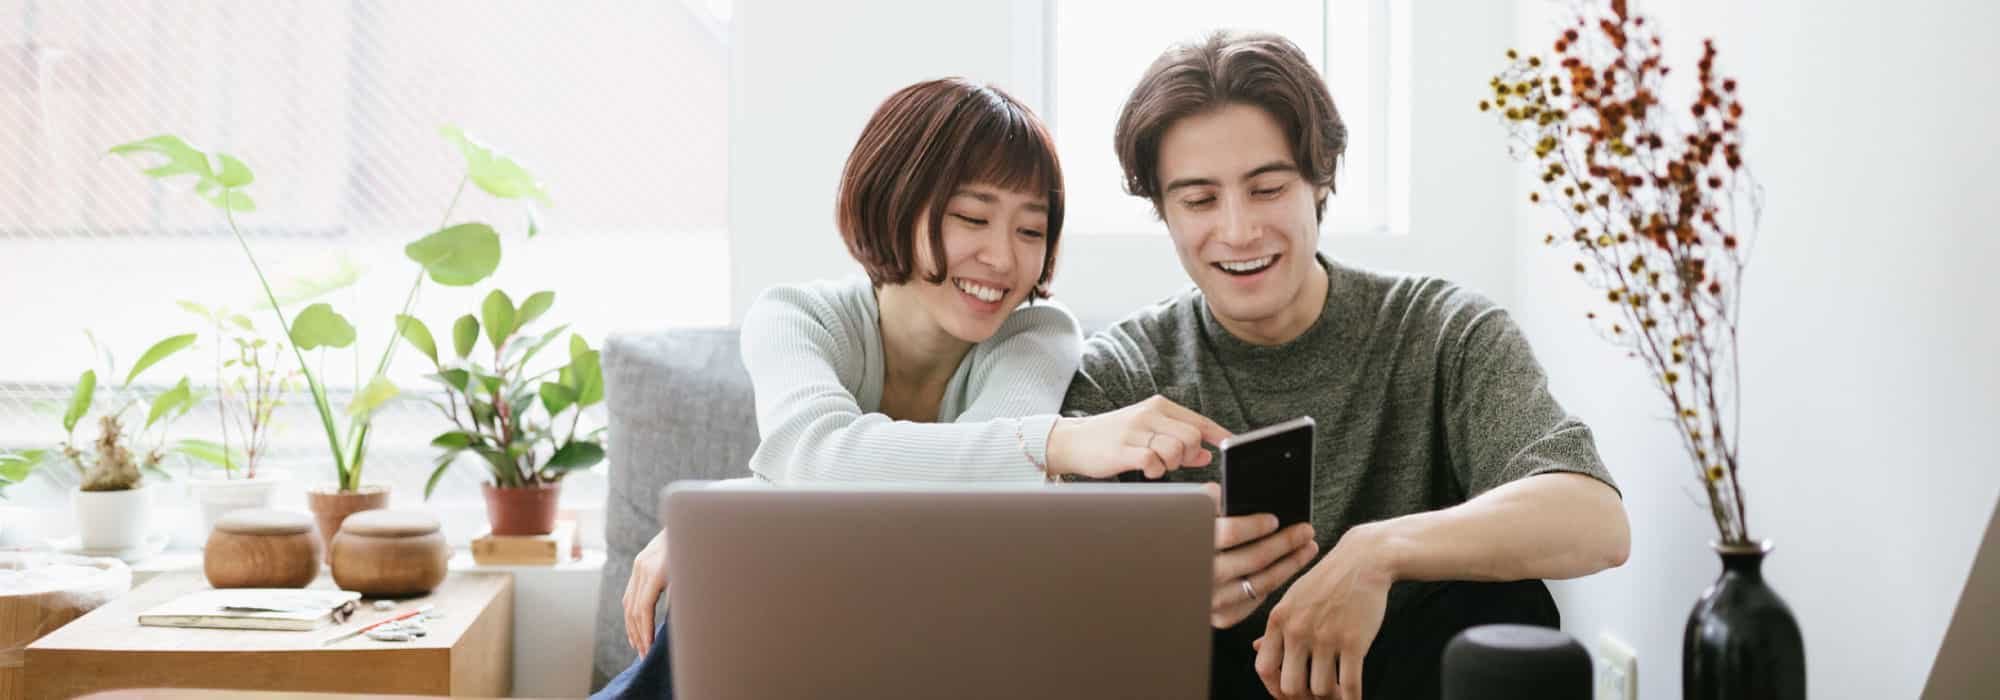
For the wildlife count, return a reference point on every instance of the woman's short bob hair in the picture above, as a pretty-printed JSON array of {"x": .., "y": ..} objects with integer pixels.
[{"x": 925, "y": 142}]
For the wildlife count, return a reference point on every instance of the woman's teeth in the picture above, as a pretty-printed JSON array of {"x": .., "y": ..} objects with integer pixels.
[
  {"x": 1247, "y": 266},
  {"x": 980, "y": 291}
]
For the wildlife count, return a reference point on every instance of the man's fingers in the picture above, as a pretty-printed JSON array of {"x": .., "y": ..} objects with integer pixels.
[
  {"x": 1273, "y": 577},
  {"x": 1292, "y": 678},
  {"x": 1233, "y": 531},
  {"x": 1214, "y": 491},
  {"x": 1257, "y": 556},
  {"x": 1350, "y": 673},
  {"x": 1270, "y": 660},
  {"x": 1324, "y": 677}
]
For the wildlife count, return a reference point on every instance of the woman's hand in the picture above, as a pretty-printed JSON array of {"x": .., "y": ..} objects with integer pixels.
[
  {"x": 1154, "y": 437},
  {"x": 643, "y": 590}
]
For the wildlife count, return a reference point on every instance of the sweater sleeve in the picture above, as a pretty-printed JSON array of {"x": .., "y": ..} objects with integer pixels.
[
  {"x": 1503, "y": 424},
  {"x": 796, "y": 348}
]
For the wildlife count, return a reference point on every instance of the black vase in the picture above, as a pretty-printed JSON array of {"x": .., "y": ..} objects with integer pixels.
[{"x": 1742, "y": 642}]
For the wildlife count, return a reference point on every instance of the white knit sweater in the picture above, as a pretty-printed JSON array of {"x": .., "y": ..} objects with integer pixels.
[{"x": 814, "y": 352}]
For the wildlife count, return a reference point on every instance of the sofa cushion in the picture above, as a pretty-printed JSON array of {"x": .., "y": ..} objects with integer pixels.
[{"x": 680, "y": 408}]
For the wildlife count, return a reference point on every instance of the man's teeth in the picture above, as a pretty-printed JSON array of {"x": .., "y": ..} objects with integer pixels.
[
  {"x": 1247, "y": 265},
  {"x": 980, "y": 291}
]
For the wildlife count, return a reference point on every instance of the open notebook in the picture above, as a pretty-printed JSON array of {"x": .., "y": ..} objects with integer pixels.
[{"x": 255, "y": 608}]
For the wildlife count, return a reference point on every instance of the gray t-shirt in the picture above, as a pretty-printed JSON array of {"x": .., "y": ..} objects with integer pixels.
[{"x": 1425, "y": 394}]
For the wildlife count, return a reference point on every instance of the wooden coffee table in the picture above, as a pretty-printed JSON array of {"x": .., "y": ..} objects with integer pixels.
[{"x": 468, "y": 651}]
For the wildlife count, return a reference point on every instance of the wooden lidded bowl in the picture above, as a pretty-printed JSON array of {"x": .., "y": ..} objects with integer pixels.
[
  {"x": 390, "y": 553},
  {"x": 262, "y": 548}
]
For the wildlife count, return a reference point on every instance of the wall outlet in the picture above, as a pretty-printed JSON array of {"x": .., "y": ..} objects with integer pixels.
[{"x": 1617, "y": 669}]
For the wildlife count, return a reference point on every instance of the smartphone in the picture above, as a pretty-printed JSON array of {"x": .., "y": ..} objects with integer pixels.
[{"x": 1269, "y": 470}]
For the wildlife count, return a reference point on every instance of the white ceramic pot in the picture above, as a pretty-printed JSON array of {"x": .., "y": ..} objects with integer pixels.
[
  {"x": 220, "y": 496},
  {"x": 113, "y": 520}
]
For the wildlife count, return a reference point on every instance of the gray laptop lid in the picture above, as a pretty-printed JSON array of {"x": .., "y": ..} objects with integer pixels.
[
  {"x": 1039, "y": 592},
  {"x": 1968, "y": 662}
]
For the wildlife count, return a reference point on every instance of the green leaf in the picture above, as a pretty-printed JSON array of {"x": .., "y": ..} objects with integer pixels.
[
  {"x": 242, "y": 322},
  {"x": 210, "y": 452},
  {"x": 533, "y": 228},
  {"x": 556, "y": 397},
  {"x": 546, "y": 338},
  {"x": 318, "y": 326},
  {"x": 371, "y": 397},
  {"x": 492, "y": 171},
  {"x": 16, "y": 466},
  {"x": 79, "y": 401},
  {"x": 498, "y": 314},
  {"x": 181, "y": 158},
  {"x": 577, "y": 347},
  {"x": 488, "y": 382},
  {"x": 419, "y": 336},
  {"x": 459, "y": 256},
  {"x": 443, "y": 463},
  {"x": 293, "y": 290},
  {"x": 587, "y": 378},
  {"x": 196, "y": 309},
  {"x": 536, "y": 305},
  {"x": 233, "y": 200},
  {"x": 234, "y": 173},
  {"x": 575, "y": 455},
  {"x": 160, "y": 351},
  {"x": 454, "y": 378},
  {"x": 167, "y": 401},
  {"x": 455, "y": 439},
  {"x": 463, "y": 334}
]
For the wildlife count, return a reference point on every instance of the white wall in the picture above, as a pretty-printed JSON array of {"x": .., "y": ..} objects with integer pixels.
[
  {"x": 807, "y": 77},
  {"x": 1871, "y": 360}
]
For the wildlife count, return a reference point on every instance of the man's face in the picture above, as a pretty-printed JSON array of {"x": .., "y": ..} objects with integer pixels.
[{"x": 1241, "y": 217}]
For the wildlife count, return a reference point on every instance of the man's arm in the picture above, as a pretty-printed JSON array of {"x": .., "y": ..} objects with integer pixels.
[{"x": 1547, "y": 526}]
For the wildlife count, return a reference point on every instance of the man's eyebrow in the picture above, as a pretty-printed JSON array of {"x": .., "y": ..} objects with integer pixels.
[
  {"x": 1275, "y": 166},
  {"x": 1190, "y": 182}
]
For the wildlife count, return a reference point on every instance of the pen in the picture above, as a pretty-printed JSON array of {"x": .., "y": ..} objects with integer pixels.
[{"x": 404, "y": 615}]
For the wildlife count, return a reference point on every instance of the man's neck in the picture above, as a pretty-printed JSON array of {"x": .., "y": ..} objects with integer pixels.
[
  {"x": 917, "y": 353},
  {"x": 1287, "y": 325}
]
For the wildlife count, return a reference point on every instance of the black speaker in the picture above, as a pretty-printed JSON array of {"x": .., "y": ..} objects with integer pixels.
[{"x": 1515, "y": 662}]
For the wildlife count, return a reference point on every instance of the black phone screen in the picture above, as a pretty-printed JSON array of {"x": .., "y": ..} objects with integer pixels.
[{"x": 1270, "y": 471}]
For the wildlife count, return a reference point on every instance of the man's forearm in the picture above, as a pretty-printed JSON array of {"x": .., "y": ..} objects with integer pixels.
[{"x": 1548, "y": 526}]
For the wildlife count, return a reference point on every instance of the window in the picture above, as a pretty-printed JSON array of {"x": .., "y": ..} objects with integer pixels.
[
  {"x": 619, "y": 108},
  {"x": 1100, "y": 50}
]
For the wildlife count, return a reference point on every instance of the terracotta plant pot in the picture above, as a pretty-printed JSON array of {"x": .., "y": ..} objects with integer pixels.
[
  {"x": 523, "y": 510},
  {"x": 331, "y": 507},
  {"x": 390, "y": 554}
]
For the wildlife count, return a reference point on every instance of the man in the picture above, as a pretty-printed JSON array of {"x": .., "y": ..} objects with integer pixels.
[{"x": 1447, "y": 481}]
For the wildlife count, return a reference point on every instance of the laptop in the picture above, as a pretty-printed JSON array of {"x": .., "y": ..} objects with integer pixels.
[
  {"x": 1065, "y": 591},
  {"x": 1964, "y": 666}
]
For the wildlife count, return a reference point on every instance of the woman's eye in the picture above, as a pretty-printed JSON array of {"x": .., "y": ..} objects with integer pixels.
[
  {"x": 970, "y": 220},
  {"x": 1031, "y": 233}
]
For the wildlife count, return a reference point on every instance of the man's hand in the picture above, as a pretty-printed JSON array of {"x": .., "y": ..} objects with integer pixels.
[
  {"x": 1152, "y": 437},
  {"x": 1246, "y": 550},
  {"x": 642, "y": 591},
  {"x": 1321, "y": 630}
]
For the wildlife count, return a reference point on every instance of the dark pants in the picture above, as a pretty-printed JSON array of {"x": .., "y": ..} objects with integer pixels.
[
  {"x": 649, "y": 677},
  {"x": 1402, "y": 663},
  {"x": 1404, "y": 660}
]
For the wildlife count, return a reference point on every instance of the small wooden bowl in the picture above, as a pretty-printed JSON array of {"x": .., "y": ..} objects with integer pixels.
[
  {"x": 262, "y": 548},
  {"x": 389, "y": 553}
]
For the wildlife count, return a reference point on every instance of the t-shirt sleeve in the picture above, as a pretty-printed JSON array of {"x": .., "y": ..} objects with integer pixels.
[
  {"x": 1501, "y": 421},
  {"x": 1108, "y": 376}
]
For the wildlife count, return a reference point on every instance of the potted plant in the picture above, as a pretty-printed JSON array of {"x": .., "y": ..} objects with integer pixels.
[
  {"x": 113, "y": 505},
  {"x": 493, "y": 403},
  {"x": 1660, "y": 209},
  {"x": 251, "y": 380},
  {"x": 453, "y": 255}
]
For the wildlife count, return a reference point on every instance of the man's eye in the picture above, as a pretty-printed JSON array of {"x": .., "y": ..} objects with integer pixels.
[
  {"x": 1269, "y": 193},
  {"x": 970, "y": 220},
  {"x": 1198, "y": 203}
]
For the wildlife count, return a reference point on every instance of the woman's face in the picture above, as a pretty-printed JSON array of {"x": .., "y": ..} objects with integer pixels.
[{"x": 994, "y": 243}]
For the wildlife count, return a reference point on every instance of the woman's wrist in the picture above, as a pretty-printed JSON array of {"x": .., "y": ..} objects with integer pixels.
[{"x": 1061, "y": 433}]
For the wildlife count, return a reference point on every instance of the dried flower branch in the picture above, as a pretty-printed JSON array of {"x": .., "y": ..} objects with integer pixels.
[{"x": 1660, "y": 206}]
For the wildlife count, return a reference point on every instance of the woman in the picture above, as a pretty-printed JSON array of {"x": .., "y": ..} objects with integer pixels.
[{"x": 943, "y": 365}]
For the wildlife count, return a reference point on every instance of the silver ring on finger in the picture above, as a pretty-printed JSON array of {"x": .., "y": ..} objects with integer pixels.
[{"x": 1249, "y": 591}]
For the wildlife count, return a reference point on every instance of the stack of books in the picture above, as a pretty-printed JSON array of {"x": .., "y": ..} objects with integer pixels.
[{"x": 558, "y": 547}]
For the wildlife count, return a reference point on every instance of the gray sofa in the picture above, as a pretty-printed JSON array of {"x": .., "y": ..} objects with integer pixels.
[{"x": 680, "y": 408}]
